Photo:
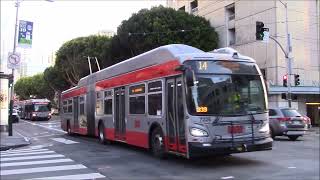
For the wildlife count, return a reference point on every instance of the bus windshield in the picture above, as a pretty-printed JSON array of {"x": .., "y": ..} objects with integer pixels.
[
  {"x": 226, "y": 94},
  {"x": 41, "y": 108}
]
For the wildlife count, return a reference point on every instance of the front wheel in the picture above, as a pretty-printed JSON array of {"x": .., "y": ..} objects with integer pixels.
[
  {"x": 157, "y": 143},
  {"x": 293, "y": 138},
  {"x": 69, "y": 129}
]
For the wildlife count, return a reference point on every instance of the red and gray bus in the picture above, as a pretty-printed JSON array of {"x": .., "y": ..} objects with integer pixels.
[
  {"x": 35, "y": 109},
  {"x": 174, "y": 99}
]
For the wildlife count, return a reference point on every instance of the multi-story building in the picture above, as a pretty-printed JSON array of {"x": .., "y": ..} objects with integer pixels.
[{"x": 235, "y": 22}]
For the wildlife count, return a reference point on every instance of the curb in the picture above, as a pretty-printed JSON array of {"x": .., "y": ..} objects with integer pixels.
[{"x": 4, "y": 148}]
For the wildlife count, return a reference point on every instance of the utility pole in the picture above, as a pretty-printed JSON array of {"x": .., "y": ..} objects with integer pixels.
[
  {"x": 12, "y": 87},
  {"x": 289, "y": 55}
]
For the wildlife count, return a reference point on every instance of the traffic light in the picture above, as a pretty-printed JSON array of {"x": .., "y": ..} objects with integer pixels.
[
  {"x": 285, "y": 80},
  {"x": 296, "y": 80},
  {"x": 10, "y": 78},
  {"x": 259, "y": 30}
]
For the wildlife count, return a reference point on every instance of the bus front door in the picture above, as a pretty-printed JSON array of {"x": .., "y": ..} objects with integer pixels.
[
  {"x": 175, "y": 116},
  {"x": 75, "y": 114},
  {"x": 120, "y": 121}
]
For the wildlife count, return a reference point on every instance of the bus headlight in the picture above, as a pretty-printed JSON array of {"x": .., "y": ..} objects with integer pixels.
[
  {"x": 34, "y": 115},
  {"x": 264, "y": 128},
  {"x": 198, "y": 132}
]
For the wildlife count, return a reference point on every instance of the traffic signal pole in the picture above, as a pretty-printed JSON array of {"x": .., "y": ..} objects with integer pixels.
[{"x": 289, "y": 56}]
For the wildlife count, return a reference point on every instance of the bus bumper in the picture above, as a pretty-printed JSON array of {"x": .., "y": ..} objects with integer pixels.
[{"x": 204, "y": 149}]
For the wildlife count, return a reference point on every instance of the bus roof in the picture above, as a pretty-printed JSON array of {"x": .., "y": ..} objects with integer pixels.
[{"x": 160, "y": 55}]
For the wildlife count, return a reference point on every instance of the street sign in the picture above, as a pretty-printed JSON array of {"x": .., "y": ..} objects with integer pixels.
[
  {"x": 25, "y": 34},
  {"x": 13, "y": 60},
  {"x": 265, "y": 35}
]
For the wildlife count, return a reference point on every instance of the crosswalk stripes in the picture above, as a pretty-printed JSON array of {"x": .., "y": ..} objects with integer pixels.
[{"x": 41, "y": 163}]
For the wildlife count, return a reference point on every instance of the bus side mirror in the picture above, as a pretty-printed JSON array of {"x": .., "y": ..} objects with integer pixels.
[{"x": 189, "y": 77}]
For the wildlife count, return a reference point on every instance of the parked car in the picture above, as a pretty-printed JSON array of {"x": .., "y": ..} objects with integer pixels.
[
  {"x": 287, "y": 122},
  {"x": 15, "y": 116},
  {"x": 307, "y": 120}
]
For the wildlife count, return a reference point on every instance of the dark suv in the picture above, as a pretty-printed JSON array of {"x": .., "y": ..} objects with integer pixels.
[{"x": 288, "y": 122}]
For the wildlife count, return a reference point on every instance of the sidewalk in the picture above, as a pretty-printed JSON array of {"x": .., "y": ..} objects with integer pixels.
[{"x": 14, "y": 141}]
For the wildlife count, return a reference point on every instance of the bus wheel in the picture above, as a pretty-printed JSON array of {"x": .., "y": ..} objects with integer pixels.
[
  {"x": 101, "y": 135},
  {"x": 157, "y": 143},
  {"x": 69, "y": 129}
]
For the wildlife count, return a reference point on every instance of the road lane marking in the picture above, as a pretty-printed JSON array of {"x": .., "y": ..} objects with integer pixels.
[
  {"x": 292, "y": 167},
  {"x": 65, "y": 141},
  {"x": 41, "y": 169},
  {"x": 78, "y": 177},
  {"x": 35, "y": 162},
  {"x": 30, "y": 157},
  {"x": 25, "y": 153},
  {"x": 58, "y": 130},
  {"x": 227, "y": 177}
]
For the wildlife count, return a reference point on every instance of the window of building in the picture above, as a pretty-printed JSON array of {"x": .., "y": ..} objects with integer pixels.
[
  {"x": 194, "y": 6},
  {"x": 99, "y": 104},
  {"x": 108, "y": 102},
  {"x": 183, "y": 8},
  {"x": 232, "y": 36},
  {"x": 230, "y": 10},
  {"x": 155, "y": 98}
]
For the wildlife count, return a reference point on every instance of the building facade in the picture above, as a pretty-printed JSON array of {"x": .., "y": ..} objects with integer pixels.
[{"x": 235, "y": 22}]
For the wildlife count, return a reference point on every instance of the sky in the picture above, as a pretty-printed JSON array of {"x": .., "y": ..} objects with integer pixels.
[{"x": 61, "y": 20}]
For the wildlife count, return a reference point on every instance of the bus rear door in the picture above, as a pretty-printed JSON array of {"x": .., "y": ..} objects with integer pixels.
[{"x": 120, "y": 124}]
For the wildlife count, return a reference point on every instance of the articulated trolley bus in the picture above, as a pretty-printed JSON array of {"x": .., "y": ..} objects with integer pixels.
[{"x": 174, "y": 99}]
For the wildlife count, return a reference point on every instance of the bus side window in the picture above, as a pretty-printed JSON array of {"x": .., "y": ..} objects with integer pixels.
[
  {"x": 81, "y": 104},
  {"x": 108, "y": 102},
  {"x": 70, "y": 106},
  {"x": 137, "y": 99},
  {"x": 155, "y": 98}
]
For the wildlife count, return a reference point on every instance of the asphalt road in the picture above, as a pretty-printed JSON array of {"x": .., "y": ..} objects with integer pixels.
[{"x": 53, "y": 153}]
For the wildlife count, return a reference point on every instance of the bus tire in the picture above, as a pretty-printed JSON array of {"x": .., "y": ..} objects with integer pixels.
[
  {"x": 157, "y": 143},
  {"x": 69, "y": 128},
  {"x": 101, "y": 134}
]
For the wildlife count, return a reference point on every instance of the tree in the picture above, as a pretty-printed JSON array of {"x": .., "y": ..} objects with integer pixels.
[
  {"x": 71, "y": 58},
  {"x": 54, "y": 79},
  {"x": 159, "y": 26},
  {"x": 34, "y": 86}
]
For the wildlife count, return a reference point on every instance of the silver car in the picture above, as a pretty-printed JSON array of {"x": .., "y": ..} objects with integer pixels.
[{"x": 287, "y": 122}]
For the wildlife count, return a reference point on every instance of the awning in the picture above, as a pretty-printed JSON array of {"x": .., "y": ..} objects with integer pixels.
[{"x": 294, "y": 90}]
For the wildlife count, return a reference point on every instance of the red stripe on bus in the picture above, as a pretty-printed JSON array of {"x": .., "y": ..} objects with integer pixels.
[
  {"x": 156, "y": 71},
  {"x": 76, "y": 92},
  {"x": 109, "y": 132},
  {"x": 82, "y": 131},
  {"x": 137, "y": 138}
]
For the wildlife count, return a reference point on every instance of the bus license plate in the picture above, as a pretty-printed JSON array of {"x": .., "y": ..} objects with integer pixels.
[{"x": 235, "y": 129}]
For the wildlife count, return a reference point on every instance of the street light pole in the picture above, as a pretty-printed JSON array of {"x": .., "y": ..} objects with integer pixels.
[
  {"x": 12, "y": 87},
  {"x": 289, "y": 55}
]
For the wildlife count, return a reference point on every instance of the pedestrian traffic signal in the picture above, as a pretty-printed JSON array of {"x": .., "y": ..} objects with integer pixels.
[
  {"x": 296, "y": 80},
  {"x": 259, "y": 30},
  {"x": 285, "y": 80}
]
